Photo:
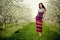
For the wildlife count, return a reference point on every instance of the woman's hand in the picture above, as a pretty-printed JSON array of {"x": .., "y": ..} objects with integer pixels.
[
  {"x": 43, "y": 15},
  {"x": 42, "y": 19}
]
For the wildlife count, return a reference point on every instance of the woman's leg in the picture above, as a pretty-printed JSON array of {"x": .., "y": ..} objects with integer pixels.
[{"x": 40, "y": 34}]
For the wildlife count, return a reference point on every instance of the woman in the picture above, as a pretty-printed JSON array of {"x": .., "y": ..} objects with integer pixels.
[{"x": 39, "y": 18}]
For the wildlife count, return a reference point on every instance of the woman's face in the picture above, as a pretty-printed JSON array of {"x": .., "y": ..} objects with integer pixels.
[{"x": 40, "y": 5}]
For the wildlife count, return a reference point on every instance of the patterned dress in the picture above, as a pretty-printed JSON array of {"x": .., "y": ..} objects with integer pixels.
[{"x": 39, "y": 20}]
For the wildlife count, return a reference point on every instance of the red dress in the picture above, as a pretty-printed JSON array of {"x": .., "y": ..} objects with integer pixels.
[{"x": 39, "y": 21}]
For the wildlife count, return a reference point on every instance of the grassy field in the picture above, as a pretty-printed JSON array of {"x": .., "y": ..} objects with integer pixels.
[{"x": 28, "y": 32}]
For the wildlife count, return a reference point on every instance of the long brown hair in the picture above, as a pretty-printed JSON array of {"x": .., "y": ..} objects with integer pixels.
[{"x": 42, "y": 6}]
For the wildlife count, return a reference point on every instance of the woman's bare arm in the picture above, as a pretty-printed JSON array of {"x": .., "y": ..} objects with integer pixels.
[{"x": 44, "y": 14}]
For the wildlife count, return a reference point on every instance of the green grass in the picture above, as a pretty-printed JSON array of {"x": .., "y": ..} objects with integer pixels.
[
  {"x": 54, "y": 27},
  {"x": 28, "y": 32},
  {"x": 10, "y": 29}
]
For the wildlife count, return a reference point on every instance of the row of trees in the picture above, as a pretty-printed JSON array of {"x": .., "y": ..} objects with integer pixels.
[
  {"x": 53, "y": 12},
  {"x": 14, "y": 11}
]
